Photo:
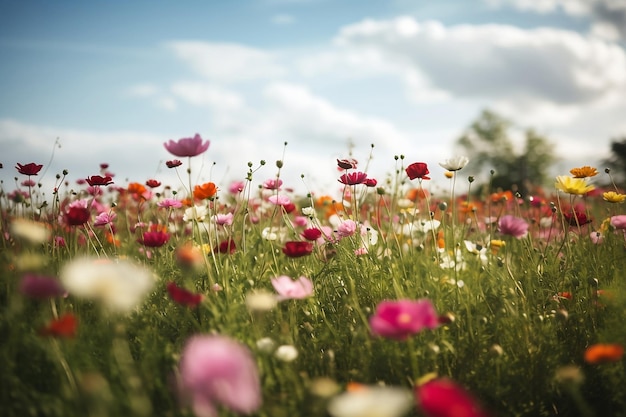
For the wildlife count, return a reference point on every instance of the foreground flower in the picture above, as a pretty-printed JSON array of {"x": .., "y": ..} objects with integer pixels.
[
  {"x": 34, "y": 232},
  {"x": 289, "y": 289},
  {"x": 119, "y": 284},
  {"x": 601, "y": 353},
  {"x": 418, "y": 170},
  {"x": 613, "y": 197},
  {"x": 187, "y": 146},
  {"x": 38, "y": 286},
  {"x": 215, "y": 371},
  {"x": 513, "y": 226},
  {"x": 64, "y": 326},
  {"x": 183, "y": 296},
  {"x": 442, "y": 397},
  {"x": 371, "y": 401},
  {"x": 347, "y": 228},
  {"x": 400, "y": 319},
  {"x": 575, "y": 186},
  {"x": 29, "y": 169},
  {"x": 584, "y": 172},
  {"x": 455, "y": 164},
  {"x": 296, "y": 249}
]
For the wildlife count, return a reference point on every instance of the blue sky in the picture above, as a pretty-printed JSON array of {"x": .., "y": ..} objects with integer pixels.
[{"x": 114, "y": 80}]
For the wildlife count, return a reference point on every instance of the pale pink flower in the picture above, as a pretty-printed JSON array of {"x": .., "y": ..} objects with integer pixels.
[
  {"x": 170, "y": 203},
  {"x": 513, "y": 226},
  {"x": 619, "y": 222},
  {"x": 223, "y": 219},
  {"x": 236, "y": 187},
  {"x": 104, "y": 219},
  {"x": 279, "y": 200},
  {"x": 187, "y": 146},
  {"x": 596, "y": 238},
  {"x": 289, "y": 289},
  {"x": 273, "y": 184},
  {"x": 346, "y": 228},
  {"x": 216, "y": 370}
]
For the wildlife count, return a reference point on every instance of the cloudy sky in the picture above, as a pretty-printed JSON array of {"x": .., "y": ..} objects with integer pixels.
[{"x": 111, "y": 81}]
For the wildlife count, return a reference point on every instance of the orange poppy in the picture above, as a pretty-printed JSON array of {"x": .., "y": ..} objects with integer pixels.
[
  {"x": 601, "y": 353},
  {"x": 502, "y": 196},
  {"x": 414, "y": 193},
  {"x": 204, "y": 191}
]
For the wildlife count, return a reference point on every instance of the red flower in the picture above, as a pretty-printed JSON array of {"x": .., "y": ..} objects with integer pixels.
[
  {"x": 95, "y": 180},
  {"x": 418, "y": 170},
  {"x": 187, "y": 146},
  {"x": 183, "y": 296},
  {"x": 173, "y": 163},
  {"x": 154, "y": 239},
  {"x": 296, "y": 249},
  {"x": 227, "y": 246},
  {"x": 371, "y": 182},
  {"x": 28, "y": 169},
  {"x": 312, "y": 233},
  {"x": 347, "y": 163},
  {"x": 64, "y": 326},
  {"x": 444, "y": 398},
  {"x": 77, "y": 213},
  {"x": 602, "y": 353},
  {"x": 153, "y": 183},
  {"x": 353, "y": 178},
  {"x": 577, "y": 218}
]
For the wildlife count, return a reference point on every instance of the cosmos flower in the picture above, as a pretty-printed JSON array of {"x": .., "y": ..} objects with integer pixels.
[
  {"x": 513, "y": 226},
  {"x": 154, "y": 238},
  {"x": 187, "y": 146},
  {"x": 350, "y": 163},
  {"x": 77, "y": 213},
  {"x": 455, "y": 164},
  {"x": 204, "y": 191},
  {"x": 97, "y": 180},
  {"x": 442, "y": 397},
  {"x": 183, "y": 296},
  {"x": 65, "y": 326},
  {"x": 400, "y": 319},
  {"x": 418, "y": 170},
  {"x": 221, "y": 219},
  {"x": 170, "y": 203},
  {"x": 273, "y": 184},
  {"x": 29, "y": 169},
  {"x": 173, "y": 163},
  {"x": 575, "y": 186},
  {"x": 296, "y": 249},
  {"x": 197, "y": 213},
  {"x": 312, "y": 234},
  {"x": 104, "y": 219},
  {"x": 218, "y": 371},
  {"x": 152, "y": 183},
  {"x": 353, "y": 178},
  {"x": 292, "y": 289},
  {"x": 346, "y": 228}
]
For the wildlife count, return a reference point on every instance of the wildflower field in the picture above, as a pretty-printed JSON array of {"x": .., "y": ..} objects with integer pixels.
[{"x": 376, "y": 298}]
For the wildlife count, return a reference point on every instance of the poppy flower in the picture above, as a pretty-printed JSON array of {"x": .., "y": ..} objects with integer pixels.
[
  {"x": 97, "y": 180},
  {"x": 29, "y": 169},
  {"x": 216, "y": 370},
  {"x": 311, "y": 234},
  {"x": 288, "y": 288},
  {"x": 353, "y": 178},
  {"x": 400, "y": 319},
  {"x": 576, "y": 218},
  {"x": 601, "y": 353},
  {"x": 173, "y": 163},
  {"x": 153, "y": 183},
  {"x": 77, "y": 213},
  {"x": 296, "y": 249},
  {"x": 442, "y": 397},
  {"x": 227, "y": 247},
  {"x": 64, "y": 326},
  {"x": 37, "y": 286},
  {"x": 187, "y": 146},
  {"x": 183, "y": 296},
  {"x": 618, "y": 222},
  {"x": 418, "y": 170},
  {"x": 154, "y": 239},
  {"x": 204, "y": 191},
  {"x": 513, "y": 226}
]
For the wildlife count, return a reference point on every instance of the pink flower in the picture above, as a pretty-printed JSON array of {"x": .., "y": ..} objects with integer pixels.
[
  {"x": 37, "y": 286},
  {"x": 596, "y": 238},
  {"x": 223, "y": 219},
  {"x": 619, "y": 222},
  {"x": 353, "y": 178},
  {"x": 273, "y": 184},
  {"x": 104, "y": 219},
  {"x": 169, "y": 203},
  {"x": 187, "y": 146},
  {"x": 236, "y": 187},
  {"x": 289, "y": 289},
  {"x": 279, "y": 200},
  {"x": 216, "y": 370},
  {"x": 400, "y": 319},
  {"x": 444, "y": 398},
  {"x": 513, "y": 226},
  {"x": 346, "y": 228},
  {"x": 312, "y": 233}
]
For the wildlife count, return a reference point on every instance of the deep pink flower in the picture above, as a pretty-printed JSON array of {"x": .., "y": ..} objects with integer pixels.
[
  {"x": 97, "y": 180},
  {"x": 296, "y": 249},
  {"x": 29, "y": 169},
  {"x": 38, "y": 286},
  {"x": 187, "y": 146},
  {"x": 273, "y": 184},
  {"x": 418, "y": 170},
  {"x": 183, "y": 296},
  {"x": 402, "y": 318},
  {"x": 154, "y": 239},
  {"x": 104, "y": 218},
  {"x": 619, "y": 222},
  {"x": 576, "y": 218},
  {"x": 77, "y": 213},
  {"x": 173, "y": 163},
  {"x": 312, "y": 233},
  {"x": 152, "y": 183},
  {"x": 513, "y": 226},
  {"x": 347, "y": 163},
  {"x": 371, "y": 182},
  {"x": 289, "y": 289},
  {"x": 442, "y": 397},
  {"x": 353, "y": 178},
  {"x": 216, "y": 370}
]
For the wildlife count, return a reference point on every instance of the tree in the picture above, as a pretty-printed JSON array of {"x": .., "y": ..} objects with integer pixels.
[
  {"x": 617, "y": 161},
  {"x": 489, "y": 145}
]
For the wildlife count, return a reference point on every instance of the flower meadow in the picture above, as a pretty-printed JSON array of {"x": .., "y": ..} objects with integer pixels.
[{"x": 379, "y": 297}]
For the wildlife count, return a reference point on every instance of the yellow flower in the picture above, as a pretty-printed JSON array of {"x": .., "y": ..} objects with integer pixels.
[
  {"x": 613, "y": 197},
  {"x": 569, "y": 185},
  {"x": 584, "y": 172},
  {"x": 495, "y": 245},
  {"x": 448, "y": 174}
]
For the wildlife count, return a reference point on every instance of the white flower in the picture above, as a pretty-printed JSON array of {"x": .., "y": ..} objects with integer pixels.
[
  {"x": 479, "y": 250},
  {"x": 197, "y": 213},
  {"x": 455, "y": 164},
  {"x": 266, "y": 344},
  {"x": 34, "y": 232},
  {"x": 286, "y": 353},
  {"x": 309, "y": 212},
  {"x": 260, "y": 301},
  {"x": 119, "y": 284},
  {"x": 372, "y": 402}
]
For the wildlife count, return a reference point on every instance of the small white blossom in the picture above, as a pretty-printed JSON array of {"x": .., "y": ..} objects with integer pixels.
[
  {"x": 286, "y": 353},
  {"x": 455, "y": 164}
]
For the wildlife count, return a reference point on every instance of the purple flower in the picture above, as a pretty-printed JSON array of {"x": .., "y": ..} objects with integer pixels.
[
  {"x": 513, "y": 226},
  {"x": 216, "y": 370},
  {"x": 37, "y": 286},
  {"x": 402, "y": 318},
  {"x": 187, "y": 146},
  {"x": 289, "y": 289}
]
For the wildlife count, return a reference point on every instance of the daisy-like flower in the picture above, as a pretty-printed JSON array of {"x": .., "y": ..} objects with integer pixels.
[
  {"x": 353, "y": 178},
  {"x": 613, "y": 197},
  {"x": 400, "y": 319},
  {"x": 197, "y": 213},
  {"x": 104, "y": 219},
  {"x": 584, "y": 172},
  {"x": 373, "y": 401},
  {"x": 575, "y": 186},
  {"x": 170, "y": 203},
  {"x": 187, "y": 146},
  {"x": 223, "y": 219},
  {"x": 273, "y": 184},
  {"x": 29, "y": 169},
  {"x": 288, "y": 289},
  {"x": 454, "y": 164}
]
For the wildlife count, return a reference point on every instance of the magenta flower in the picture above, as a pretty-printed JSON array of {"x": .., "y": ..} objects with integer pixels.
[
  {"x": 28, "y": 169},
  {"x": 104, "y": 219},
  {"x": 444, "y": 398},
  {"x": 400, "y": 319},
  {"x": 353, "y": 178},
  {"x": 619, "y": 222},
  {"x": 513, "y": 226},
  {"x": 236, "y": 187},
  {"x": 288, "y": 289},
  {"x": 37, "y": 286},
  {"x": 346, "y": 228},
  {"x": 187, "y": 146},
  {"x": 279, "y": 200},
  {"x": 216, "y": 370},
  {"x": 223, "y": 219},
  {"x": 170, "y": 203},
  {"x": 273, "y": 184}
]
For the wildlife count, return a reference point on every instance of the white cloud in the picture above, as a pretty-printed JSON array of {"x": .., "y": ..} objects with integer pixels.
[
  {"x": 283, "y": 19},
  {"x": 143, "y": 90},
  {"x": 206, "y": 94},
  {"x": 227, "y": 62}
]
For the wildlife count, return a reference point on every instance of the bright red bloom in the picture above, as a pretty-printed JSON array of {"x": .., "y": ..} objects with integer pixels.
[
  {"x": 187, "y": 146},
  {"x": 418, "y": 170},
  {"x": 576, "y": 218},
  {"x": 400, "y": 319},
  {"x": 602, "y": 353},
  {"x": 153, "y": 183},
  {"x": 154, "y": 239},
  {"x": 296, "y": 249},
  {"x": 64, "y": 326},
  {"x": 312, "y": 233},
  {"x": 183, "y": 296},
  {"x": 442, "y": 397},
  {"x": 29, "y": 169},
  {"x": 99, "y": 180},
  {"x": 77, "y": 213},
  {"x": 353, "y": 178},
  {"x": 371, "y": 182},
  {"x": 173, "y": 163}
]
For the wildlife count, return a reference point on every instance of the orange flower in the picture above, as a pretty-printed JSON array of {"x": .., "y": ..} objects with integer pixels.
[
  {"x": 601, "y": 353},
  {"x": 441, "y": 242},
  {"x": 64, "y": 326},
  {"x": 136, "y": 188},
  {"x": 110, "y": 237},
  {"x": 584, "y": 172},
  {"x": 414, "y": 193},
  {"x": 502, "y": 196},
  {"x": 204, "y": 191},
  {"x": 328, "y": 205}
]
